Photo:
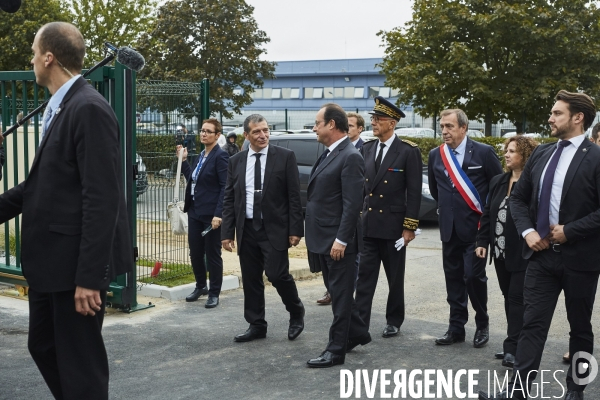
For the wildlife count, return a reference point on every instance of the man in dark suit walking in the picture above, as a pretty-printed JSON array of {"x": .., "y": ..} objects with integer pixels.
[
  {"x": 356, "y": 124},
  {"x": 392, "y": 198},
  {"x": 459, "y": 174},
  {"x": 332, "y": 209},
  {"x": 75, "y": 232},
  {"x": 262, "y": 209},
  {"x": 556, "y": 208}
]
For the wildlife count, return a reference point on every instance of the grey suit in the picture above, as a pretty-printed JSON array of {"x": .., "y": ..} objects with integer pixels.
[{"x": 334, "y": 198}]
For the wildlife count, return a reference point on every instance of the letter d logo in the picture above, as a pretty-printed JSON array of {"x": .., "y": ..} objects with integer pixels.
[{"x": 589, "y": 365}]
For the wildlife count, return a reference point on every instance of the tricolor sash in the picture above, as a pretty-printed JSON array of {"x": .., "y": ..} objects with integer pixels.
[{"x": 461, "y": 180}]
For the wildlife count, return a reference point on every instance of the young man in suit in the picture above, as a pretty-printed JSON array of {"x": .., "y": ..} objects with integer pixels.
[
  {"x": 75, "y": 235},
  {"x": 461, "y": 163},
  {"x": 556, "y": 208},
  {"x": 262, "y": 209},
  {"x": 392, "y": 199},
  {"x": 334, "y": 197},
  {"x": 356, "y": 124}
]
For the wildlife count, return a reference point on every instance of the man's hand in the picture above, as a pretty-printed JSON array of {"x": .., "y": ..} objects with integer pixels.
[
  {"x": 337, "y": 251},
  {"x": 216, "y": 222},
  {"x": 179, "y": 147},
  {"x": 408, "y": 236},
  {"x": 228, "y": 244},
  {"x": 294, "y": 240},
  {"x": 480, "y": 252},
  {"x": 535, "y": 242},
  {"x": 87, "y": 301},
  {"x": 557, "y": 234}
]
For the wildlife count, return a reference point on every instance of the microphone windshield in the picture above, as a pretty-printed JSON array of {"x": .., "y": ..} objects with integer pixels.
[
  {"x": 130, "y": 58},
  {"x": 10, "y": 6}
]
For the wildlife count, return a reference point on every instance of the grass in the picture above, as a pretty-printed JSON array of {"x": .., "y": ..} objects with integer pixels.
[{"x": 171, "y": 274}]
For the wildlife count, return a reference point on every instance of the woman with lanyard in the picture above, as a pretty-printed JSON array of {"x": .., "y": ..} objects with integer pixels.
[
  {"x": 204, "y": 192},
  {"x": 498, "y": 231}
]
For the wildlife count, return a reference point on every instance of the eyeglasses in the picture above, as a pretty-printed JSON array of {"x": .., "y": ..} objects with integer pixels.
[
  {"x": 317, "y": 123},
  {"x": 377, "y": 118},
  {"x": 206, "y": 132}
]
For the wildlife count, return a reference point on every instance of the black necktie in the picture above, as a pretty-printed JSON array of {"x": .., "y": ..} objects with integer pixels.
[
  {"x": 455, "y": 152},
  {"x": 379, "y": 157},
  {"x": 256, "y": 213},
  {"x": 543, "y": 216},
  {"x": 323, "y": 156}
]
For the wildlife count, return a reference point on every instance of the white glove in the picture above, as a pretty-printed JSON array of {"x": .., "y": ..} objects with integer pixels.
[{"x": 400, "y": 242}]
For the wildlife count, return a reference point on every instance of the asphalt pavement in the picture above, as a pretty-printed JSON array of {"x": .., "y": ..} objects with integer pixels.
[{"x": 181, "y": 350}]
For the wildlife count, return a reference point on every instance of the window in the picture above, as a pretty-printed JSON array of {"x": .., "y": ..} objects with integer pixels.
[
  {"x": 285, "y": 93},
  {"x": 373, "y": 91},
  {"x": 257, "y": 94},
  {"x": 338, "y": 92},
  {"x": 276, "y": 94},
  {"x": 328, "y": 93},
  {"x": 359, "y": 93},
  {"x": 305, "y": 151},
  {"x": 308, "y": 93},
  {"x": 267, "y": 93},
  {"x": 295, "y": 93},
  {"x": 348, "y": 92},
  {"x": 384, "y": 92},
  {"x": 237, "y": 92},
  {"x": 317, "y": 93},
  {"x": 395, "y": 92}
]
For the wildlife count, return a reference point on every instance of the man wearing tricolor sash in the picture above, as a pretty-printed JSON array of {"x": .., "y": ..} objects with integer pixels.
[{"x": 459, "y": 174}]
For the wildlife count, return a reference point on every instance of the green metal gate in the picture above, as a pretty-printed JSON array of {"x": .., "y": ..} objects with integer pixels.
[{"x": 21, "y": 94}]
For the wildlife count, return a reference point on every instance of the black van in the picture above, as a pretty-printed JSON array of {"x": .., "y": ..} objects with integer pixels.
[{"x": 308, "y": 150}]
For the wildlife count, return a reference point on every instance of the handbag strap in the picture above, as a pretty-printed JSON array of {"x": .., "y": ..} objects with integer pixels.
[{"x": 178, "y": 177}]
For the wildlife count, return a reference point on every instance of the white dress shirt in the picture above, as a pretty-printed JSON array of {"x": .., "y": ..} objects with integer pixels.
[
  {"x": 250, "y": 177},
  {"x": 559, "y": 177},
  {"x": 388, "y": 143}
]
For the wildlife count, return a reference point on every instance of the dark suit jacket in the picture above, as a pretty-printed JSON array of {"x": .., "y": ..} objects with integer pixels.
[
  {"x": 481, "y": 165},
  {"x": 210, "y": 185},
  {"x": 75, "y": 229},
  {"x": 579, "y": 205},
  {"x": 281, "y": 206},
  {"x": 487, "y": 230},
  {"x": 359, "y": 144},
  {"x": 390, "y": 196},
  {"x": 333, "y": 200}
]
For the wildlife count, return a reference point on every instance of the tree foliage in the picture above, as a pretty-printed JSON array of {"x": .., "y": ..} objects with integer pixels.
[
  {"x": 18, "y": 30},
  {"x": 120, "y": 22},
  {"x": 496, "y": 59},
  {"x": 215, "y": 39}
]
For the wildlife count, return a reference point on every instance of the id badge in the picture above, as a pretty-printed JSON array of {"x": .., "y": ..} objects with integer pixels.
[{"x": 193, "y": 187}]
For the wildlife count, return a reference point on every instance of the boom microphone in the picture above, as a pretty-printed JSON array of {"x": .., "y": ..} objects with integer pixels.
[
  {"x": 10, "y": 6},
  {"x": 125, "y": 55}
]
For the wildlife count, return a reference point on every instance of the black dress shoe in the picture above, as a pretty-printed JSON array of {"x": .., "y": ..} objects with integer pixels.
[
  {"x": 499, "y": 395},
  {"x": 197, "y": 293},
  {"x": 296, "y": 326},
  {"x": 390, "y": 330},
  {"x": 450, "y": 338},
  {"x": 574, "y": 395},
  {"x": 482, "y": 336},
  {"x": 499, "y": 355},
  {"x": 508, "y": 360},
  {"x": 326, "y": 360},
  {"x": 212, "y": 302},
  {"x": 355, "y": 341},
  {"x": 250, "y": 335}
]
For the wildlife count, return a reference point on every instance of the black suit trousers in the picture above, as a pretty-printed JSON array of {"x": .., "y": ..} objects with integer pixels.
[
  {"x": 465, "y": 279},
  {"x": 67, "y": 347},
  {"x": 258, "y": 255},
  {"x": 338, "y": 277},
  {"x": 209, "y": 245},
  {"x": 546, "y": 277},
  {"x": 511, "y": 285},
  {"x": 376, "y": 251}
]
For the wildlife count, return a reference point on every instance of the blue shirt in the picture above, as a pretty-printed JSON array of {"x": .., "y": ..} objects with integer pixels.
[{"x": 58, "y": 97}]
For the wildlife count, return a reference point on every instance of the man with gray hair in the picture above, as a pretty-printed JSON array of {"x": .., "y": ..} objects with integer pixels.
[
  {"x": 262, "y": 209},
  {"x": 459, "y": 174}
]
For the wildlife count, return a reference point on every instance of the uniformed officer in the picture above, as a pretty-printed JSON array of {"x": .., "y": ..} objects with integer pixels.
[{"x": 392, "y": 190}]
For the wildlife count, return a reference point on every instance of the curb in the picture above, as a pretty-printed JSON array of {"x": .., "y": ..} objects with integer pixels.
[{"x": 230, "y": 282}]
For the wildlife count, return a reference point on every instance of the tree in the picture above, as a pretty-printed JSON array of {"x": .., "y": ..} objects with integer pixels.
[
  {"x": 18, "y": 30},
  {"x": 120, "y": 22},
  {"x": 496, "y": 59},
  {"x": 214, "y": 39}
]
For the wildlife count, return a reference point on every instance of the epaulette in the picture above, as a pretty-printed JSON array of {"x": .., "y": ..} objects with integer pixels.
[{"x": 413, "y": 144}]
